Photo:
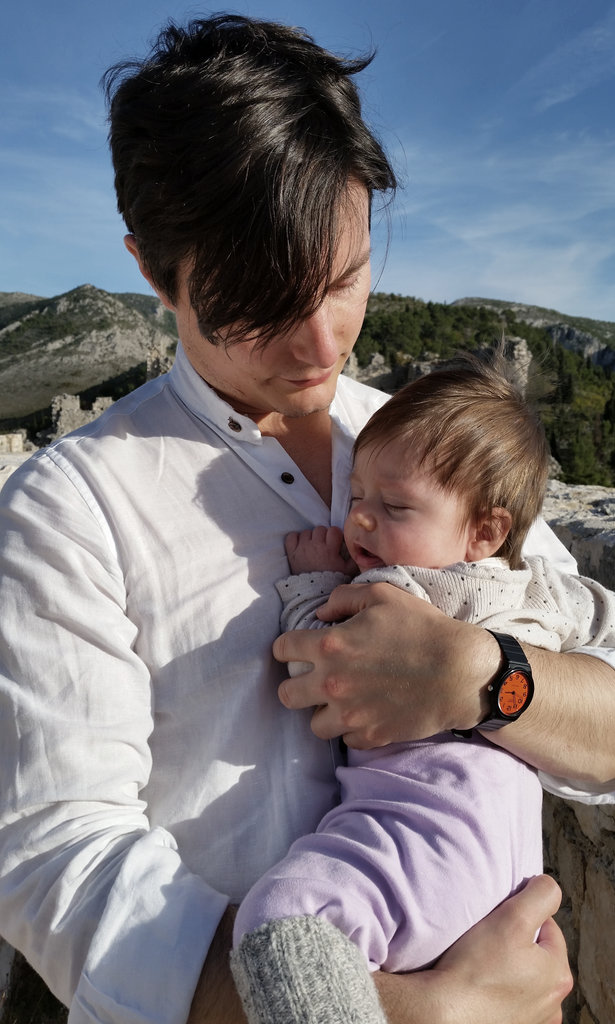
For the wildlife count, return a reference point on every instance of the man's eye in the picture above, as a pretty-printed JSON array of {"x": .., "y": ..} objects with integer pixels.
[{"x": 345, "y": 286}]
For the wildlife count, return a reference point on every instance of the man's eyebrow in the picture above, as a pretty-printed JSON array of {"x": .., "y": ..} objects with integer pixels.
[{"x": 357, "y": 264}]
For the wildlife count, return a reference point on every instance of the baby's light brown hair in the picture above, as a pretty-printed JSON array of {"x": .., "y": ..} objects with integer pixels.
[{"x": 473, "y": 430}]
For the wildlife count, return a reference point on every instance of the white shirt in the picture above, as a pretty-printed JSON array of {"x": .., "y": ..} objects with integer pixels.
[{"x": 149, "y": 772}]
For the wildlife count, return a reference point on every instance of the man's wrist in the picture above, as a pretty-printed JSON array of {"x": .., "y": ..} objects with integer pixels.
[
  {"x": 418, "y": 997},
  {"x": 478, "y": 668},
  {"x": 512, "y": 690}
]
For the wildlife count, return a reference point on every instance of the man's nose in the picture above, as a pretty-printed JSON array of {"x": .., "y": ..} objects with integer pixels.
[{"x": 314, "y": 341}]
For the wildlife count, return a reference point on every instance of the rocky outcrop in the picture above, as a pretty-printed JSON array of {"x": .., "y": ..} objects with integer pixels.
[
  {"x": 68, "y": 415},
  {"x": 584, "y": 520},
  {"x": 73, "y": 342},
  {"x": 579, "y": 844},
  {"x": 378, "y": 373},
  {"x": 593, "y": 339}
]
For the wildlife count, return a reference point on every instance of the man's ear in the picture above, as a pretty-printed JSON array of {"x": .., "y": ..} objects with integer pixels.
[
  {"x": 488, "y": 534},
  {"x": 131, "y": 244}
]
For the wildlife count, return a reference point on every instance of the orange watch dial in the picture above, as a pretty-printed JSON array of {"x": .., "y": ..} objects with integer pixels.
[{"x": 513, "y": 694}]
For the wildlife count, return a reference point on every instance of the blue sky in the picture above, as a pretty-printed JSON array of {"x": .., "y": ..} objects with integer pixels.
[{"x": 499, "y": 116}]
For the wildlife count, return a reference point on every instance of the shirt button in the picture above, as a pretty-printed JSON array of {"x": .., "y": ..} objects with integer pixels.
[
  {"x": 287, "y": 478},
  {"x": 234, "y": 425}
]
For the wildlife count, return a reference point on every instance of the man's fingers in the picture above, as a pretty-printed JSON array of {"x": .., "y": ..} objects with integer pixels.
[
  {"x": 302, "y": 691},
  {"x": 527, "y": 911},
  {"x": 538, "y": 901},
  {"x": 296, "y": 645},
  {"x": 551, "y": 937},
  {"x": 294, "y": 694},
  {"x": 346, "y": 600},
  {"x": 297, "y": 693}
]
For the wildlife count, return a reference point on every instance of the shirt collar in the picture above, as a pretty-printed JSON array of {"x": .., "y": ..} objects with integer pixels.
[{"x": 206, "y": 405}]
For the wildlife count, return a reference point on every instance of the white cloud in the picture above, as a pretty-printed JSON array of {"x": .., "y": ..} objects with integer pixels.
[
  {"x": 561, "y": 279},
  {"x": 570, "y": 69},
  {"x": 79, "y": 116},
  {"x": 537, "y": 227}
]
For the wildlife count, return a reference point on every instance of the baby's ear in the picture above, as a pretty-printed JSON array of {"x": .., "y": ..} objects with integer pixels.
[{"x": 488, "y": 534}]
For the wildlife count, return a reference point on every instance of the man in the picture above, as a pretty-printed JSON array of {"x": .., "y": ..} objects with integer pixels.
[{"x": 150, "y": 773}]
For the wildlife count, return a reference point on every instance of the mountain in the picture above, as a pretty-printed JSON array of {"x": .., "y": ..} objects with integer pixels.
[
  {"x": 593, "y": 339},
  {"x": 73, "y": 342},
  {"x": 91, "y": 343}
]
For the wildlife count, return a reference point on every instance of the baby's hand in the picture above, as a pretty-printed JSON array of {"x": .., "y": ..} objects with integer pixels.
[{"x": 318, "y": 550}]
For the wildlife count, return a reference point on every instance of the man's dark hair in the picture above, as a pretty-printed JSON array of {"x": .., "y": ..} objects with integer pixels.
[{"x": 233, "y": 143}]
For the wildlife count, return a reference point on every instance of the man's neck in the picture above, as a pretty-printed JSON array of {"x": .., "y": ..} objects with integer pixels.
[{"x": 307, "y": 439}]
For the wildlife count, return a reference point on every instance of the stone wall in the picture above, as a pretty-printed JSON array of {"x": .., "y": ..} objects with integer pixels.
[
  {"x": 580, "y": 853},
  {"x": 13, "y": 444},
  {"x": 67, "y": 414},
  {"x": 579, "y": 840}
]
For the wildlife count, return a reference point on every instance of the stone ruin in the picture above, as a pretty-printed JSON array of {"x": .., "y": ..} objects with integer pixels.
[
  {"x": 13, "y": 444},
  {"x": 67, "y": 414}
]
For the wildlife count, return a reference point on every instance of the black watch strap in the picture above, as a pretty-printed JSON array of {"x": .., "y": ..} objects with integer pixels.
[
  {"x": 516, "y": 672},
  {"x": 515, "y": 664}
]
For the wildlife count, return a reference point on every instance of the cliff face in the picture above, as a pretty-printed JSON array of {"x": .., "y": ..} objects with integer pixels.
[
  {"x": 584, "y": 520},
  {"x": 593, "y": 339},
  {"x": 73, "y": 342}
]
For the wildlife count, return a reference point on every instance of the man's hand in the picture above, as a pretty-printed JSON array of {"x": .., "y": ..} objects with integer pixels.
[
  {"x": 318, "y": 550},
  {"x": 399, "y": 669},
  {"x": 215, "y": 999},
  {"x": 495, "y": 972},
  {"x": 503, "y": 966}
]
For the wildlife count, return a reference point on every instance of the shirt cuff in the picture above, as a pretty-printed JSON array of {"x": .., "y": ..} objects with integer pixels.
[
  {"x": 148, "y": 951},
  {"x": 581, "y": 791}
]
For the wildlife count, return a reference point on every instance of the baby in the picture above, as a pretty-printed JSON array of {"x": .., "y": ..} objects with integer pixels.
[{"x": 429, "y": 836}]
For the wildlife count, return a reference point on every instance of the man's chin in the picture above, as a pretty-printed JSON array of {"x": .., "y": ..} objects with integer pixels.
[
  {"x": 295, "y": 414},
  {"x": 305, "y": 405}
]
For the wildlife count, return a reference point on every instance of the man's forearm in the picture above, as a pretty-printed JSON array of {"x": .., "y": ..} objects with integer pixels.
[
  {"x": 497, "y": 971},
  {"x": 568, "y": 729},
  {"x": 397, "y": 670}
]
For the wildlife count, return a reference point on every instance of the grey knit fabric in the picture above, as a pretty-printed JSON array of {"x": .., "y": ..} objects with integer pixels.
[{"x": 303, "y": 970}]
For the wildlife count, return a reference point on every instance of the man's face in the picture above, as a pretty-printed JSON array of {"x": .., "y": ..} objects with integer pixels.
[{"x": 296, "y": 373}]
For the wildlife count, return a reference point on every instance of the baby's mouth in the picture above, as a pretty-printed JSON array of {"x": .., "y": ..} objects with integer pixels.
[{"x": 366, "y": 559}]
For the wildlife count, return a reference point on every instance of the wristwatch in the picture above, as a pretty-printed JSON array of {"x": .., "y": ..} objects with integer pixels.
[{"x": 511, "y": 692}]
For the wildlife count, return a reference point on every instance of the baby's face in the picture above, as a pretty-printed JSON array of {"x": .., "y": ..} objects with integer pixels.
[{"x": 399, "y": 514}]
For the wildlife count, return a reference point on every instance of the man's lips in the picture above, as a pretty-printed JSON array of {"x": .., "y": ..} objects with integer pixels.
[{"x": 309, "y": 382}]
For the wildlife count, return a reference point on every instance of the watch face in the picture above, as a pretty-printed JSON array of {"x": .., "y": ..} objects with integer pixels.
[{"x": 514, "y": 693}]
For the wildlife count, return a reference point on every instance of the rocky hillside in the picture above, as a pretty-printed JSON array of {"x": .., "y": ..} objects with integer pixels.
[
  {"x": 73, "y": 342},
  {"x": 95, "y": 345},
  {"x": 593, "y": 339}
]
